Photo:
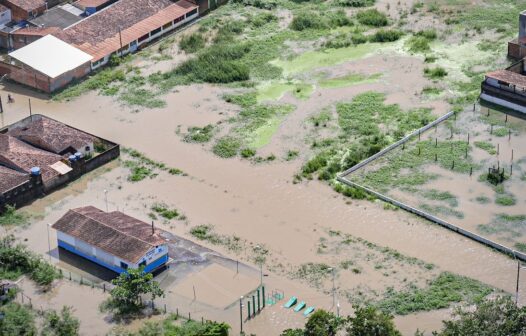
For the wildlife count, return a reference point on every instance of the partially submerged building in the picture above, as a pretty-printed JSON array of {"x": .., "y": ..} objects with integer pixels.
[
  {"x": 506, "y": 88},
  {"x": 517, "y": 47},
  {"x": 53, "y": 55},
  {"x": 48, "y": 64},
  {"x": 39, "y": 154},
  {"x": 112, "y": 239}
]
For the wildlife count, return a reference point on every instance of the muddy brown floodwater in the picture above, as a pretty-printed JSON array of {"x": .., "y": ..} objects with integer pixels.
[{"x": 258, "y": 203}]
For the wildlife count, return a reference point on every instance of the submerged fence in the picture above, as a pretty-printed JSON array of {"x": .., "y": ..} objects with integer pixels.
[{"x": 466, "y": 233}]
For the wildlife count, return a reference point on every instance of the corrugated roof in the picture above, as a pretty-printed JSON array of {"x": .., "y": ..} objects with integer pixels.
[
  {"x": 56, "y": 17},
  {"x": 114, "y": 232},
  {"x": 51, "y": 56},
  {"x": 51, "y": 135},
  {"x": 37, "y": 31},
  {"x": 10, "y": 178},
  {"x": 98, "y": 35},
  {"x": 509, "y": 77}
]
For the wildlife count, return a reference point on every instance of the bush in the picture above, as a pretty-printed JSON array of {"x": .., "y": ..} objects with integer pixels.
[
  {"x": 435, "y": 73},
  {"x": 263, "y": 4},
  {"x": 418, "y": 44},
  {"x": 192, "y": 43},
  {"x": 372, "y": 17},
  {"x": 358, "y": 38},
  {"x": 430, "y": 34},
  {"x": 248, "y": 153},
  {"x": 216, "y": 65},
  {"x": 383, "y": 35},
  {"x": 307, "y": 20},
  {"x": 356, "y": 3},
  {"x": 226, "y": 147}
]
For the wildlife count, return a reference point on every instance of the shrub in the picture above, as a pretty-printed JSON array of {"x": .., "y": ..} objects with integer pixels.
[
  {"x": 435, "y": 73},
  {"x": 418, "y": 44},
  {"x": 263, "y": 4},
  {"x": 248, "y": 153},
  {"x": 358, "y": 38},
  {"x": 430, "y": 34},
  {"x": 356, "y": 3},
  {"x": 192, "y": 43},
  {"x": 372, "y": 17},
  {"x": 383, "y": 35},
  {"x": 307, "y": 20},
  {"x": 200, "y": 134}
]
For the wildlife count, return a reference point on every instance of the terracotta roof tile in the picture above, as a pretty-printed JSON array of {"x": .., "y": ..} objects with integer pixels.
[
  {"x": 51, "y": 135},
  {"x": 114, "y": 232},
  {"x": 509, "y": 77},
  {"x": 27, "y": 5},
  {"x": 10, "y": 178},
  {"x": 37, "y": 31},
  {"x": 98, "y": 35},
  {"x": 18, "y": 155}
]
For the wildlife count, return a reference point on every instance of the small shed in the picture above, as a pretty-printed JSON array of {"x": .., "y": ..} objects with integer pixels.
[
  {"x": 112, "y": 239},
  {"x": 48, "y": 64}
]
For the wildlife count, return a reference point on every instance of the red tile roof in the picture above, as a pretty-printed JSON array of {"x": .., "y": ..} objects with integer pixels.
[
  {"x": 52, "y": 135},
  {"x": 19, "y": 155},
  {"x": 114, "y": 232},
  {"x": 37, "y": 31},
  {"x": 98, "y": 35},
  {"x": 509, "y": 77},
  {"x": 10, "y": 178},
  {"x": 91, "y": 3},
  {"x": 27, "y": 5}
]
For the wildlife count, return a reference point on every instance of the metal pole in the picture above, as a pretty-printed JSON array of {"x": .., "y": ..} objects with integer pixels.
[
  {"x": 333, "y": 288},
  {"x": 241, "y": 313},
  {"x": 261, "y": 274},
  {"x": 259, "y": 301},
  {"x": 1, "y": 106},
  {"x": 263, "y": 295},
  {"x": 253, "y": 305},
  {"x": 249, "y": 313},
  {"x": 517, "y": 288},
  {"x": 30, "y": 111}
]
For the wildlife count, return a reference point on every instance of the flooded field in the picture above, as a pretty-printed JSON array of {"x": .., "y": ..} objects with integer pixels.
[
  {"x": 423, "y": 172},
  {"x": 236, "y": 159}
]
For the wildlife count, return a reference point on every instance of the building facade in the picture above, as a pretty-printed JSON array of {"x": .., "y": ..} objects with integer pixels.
[{"x": 113, "y": 240}]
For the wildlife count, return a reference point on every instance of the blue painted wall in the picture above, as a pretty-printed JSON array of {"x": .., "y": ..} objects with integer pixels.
[{"x": 149, "y": 268}]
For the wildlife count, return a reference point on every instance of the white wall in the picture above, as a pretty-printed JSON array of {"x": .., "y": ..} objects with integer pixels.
[{"x": 5, "y": 17}]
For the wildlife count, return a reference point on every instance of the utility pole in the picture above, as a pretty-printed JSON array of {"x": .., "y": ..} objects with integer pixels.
[
  {"x": 241, "y": 314},
  {"x": 517, "y": 288}
]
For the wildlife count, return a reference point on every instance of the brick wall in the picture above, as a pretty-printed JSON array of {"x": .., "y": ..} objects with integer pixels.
[{"x": 19, "y": 14}]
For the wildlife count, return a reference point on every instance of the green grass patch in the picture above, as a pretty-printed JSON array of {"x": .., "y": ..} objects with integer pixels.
[
  {"x": 12, "y": 217},
  {"x": 164, "y": 211},
  {"x": 444, "y": 196},
  {"x": 192, "y": 43},
  {"x": 227, "y": 147},
  {"x": 505, "y": 200},
  {"x": 348, "y": 80},
  {"x": 372, "y": 17},
  {"x": 442, "y": 292},
  {"x": 200, "y": 134},
  {"x": 142, "y": 167},
  {"x": 435, "y": 73},
  {"x": 487, "y": 146}
]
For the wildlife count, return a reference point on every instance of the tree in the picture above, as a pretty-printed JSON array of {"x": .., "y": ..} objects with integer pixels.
[
  {"x": 498, "y": 317},
  {"x": 369, "y": 321},
  {"x": 63, "y": 324},
  {"x": 292, "y": 332},
  {"x": 18, "y": 321},
  {"x": 322, "y": 323},
  {"x": 129, "y": 288}
]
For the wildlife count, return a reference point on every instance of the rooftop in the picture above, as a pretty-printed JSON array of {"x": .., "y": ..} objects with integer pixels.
[
  {"x": 114, "y": 232},
  {"x": 17, "y": 154},
  {"x": 91, "y": 3},
  {"x": 27, "y": 5},
  {"x": 98, "y": 34},
  {"x": 37, "y": 31},
  {"x": 51, "y": 135},
  {"x": 509, "y": 77},
  {"x": 10, "y": 178},
  {"x": 51, "y": 56},
  {"x": 56, "y": 17}
]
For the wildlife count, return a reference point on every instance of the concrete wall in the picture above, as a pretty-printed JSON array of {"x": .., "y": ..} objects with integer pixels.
[
  {"x": 153, "y": 258},
  {"x": 504, "y": 96},
  {"x": 5, "y": 17},
  {"x": 522, "y": 25},
  {"x": 23, "y": 194},
  {"x": 22, "y": 40},
  {"x": 19, "y": 14}
]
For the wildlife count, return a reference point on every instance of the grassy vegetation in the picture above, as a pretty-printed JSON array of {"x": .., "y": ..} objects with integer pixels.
[
  {"x": 12, "y": 217},
  {"x": 506, "y": 226},
  {"x": 200, "y": 134},
  {"x": 348, "y": 80},
  {"x": 227, "y": 147},
  {"x": 444, "y": 196},
  {"x": 16, "y": 260},
  {"x": 505, "y": 200},
  {"x": 402, "y": 168},
  {"x": 487, "y": 146},
  {"x": 164, "y": 211},
  {"x": 206, "y": 233},
  {"x": 313, "y": 20},
  {"x": 192, "y": 43},
  {"x": 372, "y": 17},
  {"x": 142, "y": 167},
  {"x": 435, "y": 73},
  {"x": 441, "y": 292},
  {"x": 313, "y": 273}
]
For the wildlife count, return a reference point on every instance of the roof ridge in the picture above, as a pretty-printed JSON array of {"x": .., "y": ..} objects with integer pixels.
[{"x": 108, "y": 226}]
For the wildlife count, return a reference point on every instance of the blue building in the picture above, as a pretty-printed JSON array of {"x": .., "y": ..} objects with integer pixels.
[{"x": 112, "y": 239}]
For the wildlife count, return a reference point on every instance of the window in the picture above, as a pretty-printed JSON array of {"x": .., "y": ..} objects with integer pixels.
[
  {"x": 87, "y": 148},
  {"x": 156, "y": 31},
  {"x": 167, "y": 26},
  {"x": 193, "y": 12},
  {"x": 124, "y": 265},
  {"x": 142, "y": 263},
  {"x": 179, "y": 19},
  {"x": 144, "y": 38}
]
